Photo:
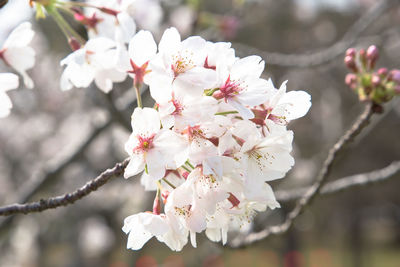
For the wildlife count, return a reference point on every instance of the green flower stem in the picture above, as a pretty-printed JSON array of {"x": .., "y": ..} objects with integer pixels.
[
  {"x": 227, "y": 112},
  {"x": 168, "y": 183}
]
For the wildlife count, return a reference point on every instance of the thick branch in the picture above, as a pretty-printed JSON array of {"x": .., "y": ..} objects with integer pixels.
[
  {"x": 69, "y": 198},
  {"x": 320, "y": 180},
  {"x": 344, "y": 183},
  {"x": 327, "y": 54}
]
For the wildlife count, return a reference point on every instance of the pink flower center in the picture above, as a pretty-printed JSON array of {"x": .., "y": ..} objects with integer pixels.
[
  {"x": 228, "y": 90},
  {"x": 145, "y": 144},
  {"x": 139, "y": 71},
  {"x": 90, "y": 22},
  {"x": 178, "y": 107}
]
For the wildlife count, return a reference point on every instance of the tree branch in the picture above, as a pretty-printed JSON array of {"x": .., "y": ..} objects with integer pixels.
[
  {"x": 327, "y": 54},
  {"x": 344, "y": 183},
  {"x": 313, "y": 191},
  {"x": 69, "y": 198}
]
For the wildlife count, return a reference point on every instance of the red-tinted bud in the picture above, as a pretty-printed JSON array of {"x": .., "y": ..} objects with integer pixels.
[
  {"x": 376, "y": 80},
  {"x": 394, "y": 75},
  {"x": 372, "y": 52},
  {"x": 372, "y": 55},
  {"x": 74, "y": 44},
  {"x": 350, "y": 63},
  {"x": 351, "y": 52},
  {"x": 351, "y": 80},
  {"x": 383, "y": 72},
  {"x": 156, "y": 206},
  {"x": 363, "y": 57},
  {"x": 229, "y": 26}
]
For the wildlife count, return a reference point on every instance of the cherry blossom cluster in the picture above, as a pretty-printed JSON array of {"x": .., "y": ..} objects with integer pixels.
[
  {"x": 17, "y": 54},
  {"x": 110, "y": 25},
  {"x": 216, "y": 135},
  {"x": 377, "y": 86}
]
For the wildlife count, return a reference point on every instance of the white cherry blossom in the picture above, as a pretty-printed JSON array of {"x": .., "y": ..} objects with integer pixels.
[
  {"x": 283, "y": 107},
  {"x": 8, "y": 81},
  {"x": 151, "y": 147},
  {"x": 181, "y": 63},
  {"x": 97, "y": 61},
  {"x": 17, "y": 53},
  {"x": 143, "y": 226},
  {"x": 240, "y": 85}
]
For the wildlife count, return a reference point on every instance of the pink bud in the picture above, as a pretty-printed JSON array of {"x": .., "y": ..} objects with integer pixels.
[
  {"x": 351, "y": 80},
  {"x": 372, "y": 55},
  {"x": 394, "y": 75},
  {"x": 156, "y": 205},
  {"x": 383, "y": 72},
  {"x": 372, "y": 52},
  {"x": 351, "y": 52},
  {"x": 74, "y": 44},
  {"x": 350, "y": 63},
  {"x": 363, "y": 57},
  {"x": 376, "y": 80},
  {"x": 229, "y": 26}
]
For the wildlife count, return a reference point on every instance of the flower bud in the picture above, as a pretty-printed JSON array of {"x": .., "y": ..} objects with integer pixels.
[
  {"x": 376, "y": 80},
  {"x": 372, "y": 55},
  {"x": 229, "y": 26},
  {"x": 350, "y": 63},
  {"x": 74, "y": 44},
  {"x": 394, "y": 75},
  {"x": 383, "y": 72},
  {"x": 363, "y": 57},
  {"x": 351, "y": 52},
  {"x": 351, "y": 80},
  {"x": 156, "y": 205}
]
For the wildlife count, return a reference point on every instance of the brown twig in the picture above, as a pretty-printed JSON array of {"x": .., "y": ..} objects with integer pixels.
[
  {"x": 345, "y": 183},
  {"x": 313, "y": 191},
  {"x": 326, "y": 55},
  {"x": 69, "y": 198}
]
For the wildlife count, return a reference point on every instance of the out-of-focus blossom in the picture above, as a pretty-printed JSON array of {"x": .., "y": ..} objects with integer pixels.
[
  {"x": 97, "y": 61},
  {"x": 17, "y": 53},
  {"x": 8, "y": 81}
]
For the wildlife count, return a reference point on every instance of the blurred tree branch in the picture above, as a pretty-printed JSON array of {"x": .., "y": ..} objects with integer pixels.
[
  {"x": 344, "y": 183},
  {"x": 328, "y": 54},
  {"x": 314, "y": 190}
]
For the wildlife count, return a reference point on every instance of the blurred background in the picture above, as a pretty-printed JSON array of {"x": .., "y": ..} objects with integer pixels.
[{"x": 54, "y": 142}]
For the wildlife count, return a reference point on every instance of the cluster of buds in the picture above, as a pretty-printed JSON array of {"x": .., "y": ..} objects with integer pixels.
[{"x": 378, "y": 86}]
